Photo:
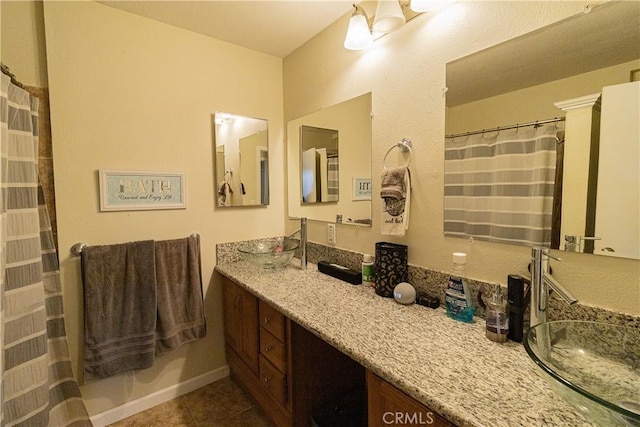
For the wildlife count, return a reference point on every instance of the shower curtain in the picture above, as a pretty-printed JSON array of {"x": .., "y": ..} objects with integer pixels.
[
  {"x": 37, "y": 383},
  {"x": 500, "y": 186}
]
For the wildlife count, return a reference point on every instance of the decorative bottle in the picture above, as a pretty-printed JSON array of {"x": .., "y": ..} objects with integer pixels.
[{"x": 497, "y": 317}]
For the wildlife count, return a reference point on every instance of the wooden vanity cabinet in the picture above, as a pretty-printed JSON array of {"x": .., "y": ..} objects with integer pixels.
[
  {"x": 388, "y": 405},
  {"x": 290, "y": 372},
  {"x": 241, "y": 323},
  {"x": 249, "y": 329}
]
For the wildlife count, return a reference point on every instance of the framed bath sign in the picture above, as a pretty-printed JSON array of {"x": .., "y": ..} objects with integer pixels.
[
  {"x": 361, "y": 189},
  {"x": 136, "y": 190}
]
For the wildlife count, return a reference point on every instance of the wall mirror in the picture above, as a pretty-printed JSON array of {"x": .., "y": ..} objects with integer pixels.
[
  {"x": 331, "y": 146},
  {"x": 320, "y": 171},
  {"x": 241, "y": 160},
  {"x": 543, "y": 76}
]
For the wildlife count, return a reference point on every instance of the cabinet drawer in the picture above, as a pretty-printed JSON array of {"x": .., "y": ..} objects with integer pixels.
[
  {"x": 272, "y": 349},
  {"x": 273, "y": 380},
  {"x": 272, "y": 320},
  {"x": 389, "y": 405}
]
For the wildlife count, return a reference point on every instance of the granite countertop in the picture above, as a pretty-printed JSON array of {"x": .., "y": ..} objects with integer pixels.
[{"x": 449, "y": 366}]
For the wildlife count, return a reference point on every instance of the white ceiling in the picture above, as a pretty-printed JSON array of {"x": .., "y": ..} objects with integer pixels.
[{"x": 275, "y": 27}]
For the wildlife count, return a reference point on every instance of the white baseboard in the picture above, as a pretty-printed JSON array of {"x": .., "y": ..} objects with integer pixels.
[{"x": 142, "y": 404}]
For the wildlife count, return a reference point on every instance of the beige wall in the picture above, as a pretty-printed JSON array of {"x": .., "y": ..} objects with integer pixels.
[
  {"x": 128, "y": 93},
  {"x": 23, "y": 46},
  {"x": 533, "y": 103},
  {"x": 406, "y": 73}
]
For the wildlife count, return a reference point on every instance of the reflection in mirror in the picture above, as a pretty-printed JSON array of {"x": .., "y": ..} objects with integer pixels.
[
  {"x": 347, "y": 127},
  {"x": 570, "y": 74},
  {"x": 320, "y": 166},
  {"x": 242, "y": 160}
]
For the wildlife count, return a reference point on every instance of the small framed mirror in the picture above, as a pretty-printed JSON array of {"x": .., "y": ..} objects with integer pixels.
[
  {"x": 241, "y": 160},
  {"x": 320, "y": 165}
]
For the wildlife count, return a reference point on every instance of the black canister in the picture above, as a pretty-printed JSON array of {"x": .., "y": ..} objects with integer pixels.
[{"x": 391, "y": 267}]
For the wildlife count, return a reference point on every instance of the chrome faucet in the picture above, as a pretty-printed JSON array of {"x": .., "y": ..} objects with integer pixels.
[
  {"x": 574, "y": 243},
  {"x": 541, "y": 280},
  {"x": 303, "y": 242}
]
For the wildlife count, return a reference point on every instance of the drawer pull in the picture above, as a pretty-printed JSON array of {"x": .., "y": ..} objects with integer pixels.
[
  {"x": 268, "y": 348},
  {"x": 267, "y": 379},
  {"x": 267, "y": 320}
]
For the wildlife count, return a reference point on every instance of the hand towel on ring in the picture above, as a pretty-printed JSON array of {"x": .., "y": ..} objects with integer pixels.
[{"x": 395, "y": 191}]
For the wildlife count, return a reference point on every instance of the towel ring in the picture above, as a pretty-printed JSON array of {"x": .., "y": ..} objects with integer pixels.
[{"x": 405, "y": 145}]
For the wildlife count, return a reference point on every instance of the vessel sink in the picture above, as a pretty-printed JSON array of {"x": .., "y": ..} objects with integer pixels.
[
  {"x": 269, "y": 254},
  {"x": 593, "y": 365}
]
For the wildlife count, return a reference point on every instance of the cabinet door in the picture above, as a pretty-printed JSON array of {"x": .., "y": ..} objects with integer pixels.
[
  {"x": 390, "y": 406},
  {"x": 241, "y": 323},
  {"x": 618, "y": 195}
]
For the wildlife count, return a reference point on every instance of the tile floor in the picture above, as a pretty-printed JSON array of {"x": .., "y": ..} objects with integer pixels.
[{"x": 219, "y": 404}]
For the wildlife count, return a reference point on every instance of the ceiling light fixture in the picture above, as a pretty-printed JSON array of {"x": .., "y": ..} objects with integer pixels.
[
  {"x": 358, "y": 33},
  {"x": 429, "y": 5},
  {"x": 390, "y": 15},
  {"x": 421, "y": 5}
]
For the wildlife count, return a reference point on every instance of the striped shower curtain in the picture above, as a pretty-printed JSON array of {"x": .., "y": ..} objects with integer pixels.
[
  {"x": 37, "y": 384},
  {"x": 499, "y": 187},
  {"x": 333, "y": 179}
]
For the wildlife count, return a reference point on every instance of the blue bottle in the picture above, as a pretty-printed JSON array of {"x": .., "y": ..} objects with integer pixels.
[{"x": 458, "y": 299}]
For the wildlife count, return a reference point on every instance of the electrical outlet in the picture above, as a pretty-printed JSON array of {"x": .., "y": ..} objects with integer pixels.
[{"x": 331, "y": 233}]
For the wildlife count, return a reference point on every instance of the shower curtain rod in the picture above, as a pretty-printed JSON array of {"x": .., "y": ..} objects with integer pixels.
[
  {"x": 5, "y": 70},
  {"x": 499, "y": 128}
]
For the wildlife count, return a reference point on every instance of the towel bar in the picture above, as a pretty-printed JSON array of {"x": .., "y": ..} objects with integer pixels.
[
  {"x": 404, "y": 145},
  {"x": 77, "y": 248}
]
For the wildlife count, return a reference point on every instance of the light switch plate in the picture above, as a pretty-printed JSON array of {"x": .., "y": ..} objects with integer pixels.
[{"x": 331, "y": 233}]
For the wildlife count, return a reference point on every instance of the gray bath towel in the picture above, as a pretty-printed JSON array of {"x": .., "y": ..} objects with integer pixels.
[
  {"x": 393, "y": 184},
  {"x": 120, "y": 308},
  {"x": 179, "y": 286}
]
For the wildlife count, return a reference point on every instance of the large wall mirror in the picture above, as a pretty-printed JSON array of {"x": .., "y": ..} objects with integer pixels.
[
  {"x": 329, "y": 163},
  {"x": 242, "y": 160},
  {"x": 554, "y": 89}
]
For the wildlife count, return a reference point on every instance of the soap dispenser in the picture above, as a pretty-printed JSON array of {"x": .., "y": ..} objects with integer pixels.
[{"x": 497, "y": 316}]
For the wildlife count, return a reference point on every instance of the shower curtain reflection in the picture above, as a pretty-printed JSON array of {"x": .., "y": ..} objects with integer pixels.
[
  {"x": 37, "y": 383},
  {"x": 500, "y": 186}
]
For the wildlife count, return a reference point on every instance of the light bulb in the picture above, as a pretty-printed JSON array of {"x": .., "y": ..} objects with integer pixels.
[
  {"x": 358, "y": 35},
  {"x": 389, "y": 16}
]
